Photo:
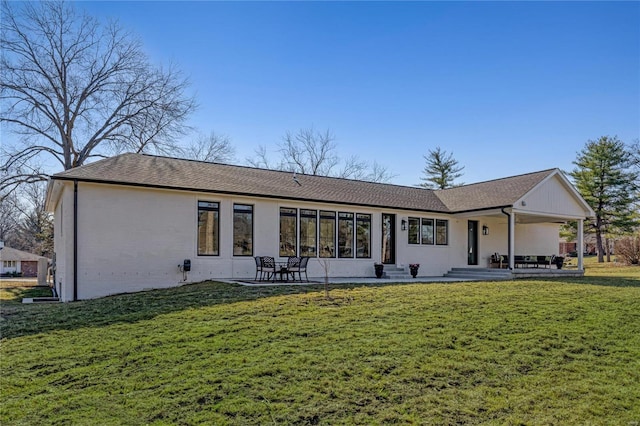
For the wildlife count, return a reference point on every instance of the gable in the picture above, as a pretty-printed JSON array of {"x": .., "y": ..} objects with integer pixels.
[
  {"x": 491, "y": 194},
  {"x": 554, "y": 196}
]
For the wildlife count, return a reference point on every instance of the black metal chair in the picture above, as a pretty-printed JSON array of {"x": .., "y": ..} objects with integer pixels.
[
  {"x": 303, "y": 268},
  {"x": 293, "y": 266},
  {"x": 299, "y": 267},
  {"x": 268, "y": 266},
  {"x": 258, "y": 267}
]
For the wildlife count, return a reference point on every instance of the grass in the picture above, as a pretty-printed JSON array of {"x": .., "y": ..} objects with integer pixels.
[
  {"x": 12, "y": 291},
  {"x": 521, "y": 352}
]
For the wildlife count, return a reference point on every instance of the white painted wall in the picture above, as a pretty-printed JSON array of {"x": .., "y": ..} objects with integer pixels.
[
  {"x": 131, "y": 239},
  {"x": 537, "y": 239},
  {"x": 63, "y": 243}
]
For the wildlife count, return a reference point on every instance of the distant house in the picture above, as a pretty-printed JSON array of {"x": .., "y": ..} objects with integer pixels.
[
  {"x": 125, "y": 223},
  {"x": 17, "y": 262}
]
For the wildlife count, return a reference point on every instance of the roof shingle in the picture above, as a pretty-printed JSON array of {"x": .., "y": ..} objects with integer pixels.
[{"x": 164, "y": 172}]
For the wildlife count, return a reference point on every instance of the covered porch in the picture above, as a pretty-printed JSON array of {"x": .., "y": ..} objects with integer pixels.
[{"x": 523, "y": 242}]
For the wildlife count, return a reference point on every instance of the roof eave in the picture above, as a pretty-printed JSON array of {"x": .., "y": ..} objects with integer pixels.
[{"x": 242, "y": 194}]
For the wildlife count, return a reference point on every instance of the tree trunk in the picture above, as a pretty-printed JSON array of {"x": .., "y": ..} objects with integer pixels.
[{"x": 599, "y": 245}]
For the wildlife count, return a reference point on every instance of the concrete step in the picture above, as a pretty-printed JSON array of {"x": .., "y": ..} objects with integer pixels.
[
  {"x": 480, "y": 273},
  {"x": 394, "y": 272}
]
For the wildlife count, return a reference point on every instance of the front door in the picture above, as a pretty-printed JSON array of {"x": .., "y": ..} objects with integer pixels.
[
  {"x": 388, "y": 238},
  {"x": 472, "y": 243}
]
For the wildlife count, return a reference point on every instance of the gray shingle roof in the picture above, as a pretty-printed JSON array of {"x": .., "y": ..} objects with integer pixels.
[
  {"x": 8, "y": 253},
  {"x": 164, "y": 172},
  {"x": 491, "y": 194}
]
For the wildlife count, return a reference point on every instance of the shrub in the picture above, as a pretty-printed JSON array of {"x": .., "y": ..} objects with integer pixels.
[{"x": 627, "y": 249}]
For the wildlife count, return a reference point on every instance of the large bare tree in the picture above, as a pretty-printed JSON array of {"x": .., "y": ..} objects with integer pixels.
[
  {"x": 312, "y": 152},
  {"x": 73, "y": 88}
]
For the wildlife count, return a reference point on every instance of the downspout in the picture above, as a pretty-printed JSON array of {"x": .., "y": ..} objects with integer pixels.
[
  {"x": 508, "y": 234},
  {"x": 75, "y": 240}
]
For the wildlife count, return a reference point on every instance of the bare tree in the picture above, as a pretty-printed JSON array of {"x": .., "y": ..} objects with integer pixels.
[
  {"x": 310, "y": 152},
  {"x": 9, "y": 217},
  {"x": 24, "y": 222},
  {"x": 354, "y": 168},
  {"x": 315, "y": 153},
  {"x": 35, "y": 226},
  {"x": 214, "y": 148},
  {"x": 73, "y": 89}
]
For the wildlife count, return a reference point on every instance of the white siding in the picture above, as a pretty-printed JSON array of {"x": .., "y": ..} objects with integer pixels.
[
  {"x": 63, "y": 243},
  {"x": 131, "y": 239},
  {"x": 552, "y": 198},
  {"x": 537, "y": 239}
]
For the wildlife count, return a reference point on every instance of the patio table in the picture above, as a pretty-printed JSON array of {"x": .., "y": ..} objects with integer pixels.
[{"x": 281, "y": 268}]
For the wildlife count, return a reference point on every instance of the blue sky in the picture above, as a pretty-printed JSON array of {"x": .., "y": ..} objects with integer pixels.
[{"x": 507, "y": 87}]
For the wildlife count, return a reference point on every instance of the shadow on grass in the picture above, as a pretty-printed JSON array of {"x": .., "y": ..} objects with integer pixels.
[
  {"x": 606, "y": 281},
  {"x": 20, "y": 320}
]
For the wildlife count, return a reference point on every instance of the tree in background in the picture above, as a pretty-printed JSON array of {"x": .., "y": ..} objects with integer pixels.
[
  {"x": 73, "y": 89},
  {"x": 9, "y": 217},
  {"x": 213, "y": 148},
  {"x": 24, "y": 222},
  {"x": 606, "y": 178},
  {"x": 441, "y": 170},
  {"x": 315, "y": 153}
]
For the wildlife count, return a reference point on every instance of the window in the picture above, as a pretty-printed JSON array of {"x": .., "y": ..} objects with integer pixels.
[
  {"x": 414, "y": 229},
  {"x": 242, "y": 230},
  {"x": 363, "y": 235},
  {"x": 427, "y": 231},
  {"x": 327, "y": 234},
  {"x": 308, "y": 232},
  {"x": 9, "y": 263},
  {"x": 288, "y": 217},
  {"x": 442, "y": 232},
  {"x": 422, "y": 231},
  {"x": 208, "y": 228},
  {"x": 345, "y": 234}
]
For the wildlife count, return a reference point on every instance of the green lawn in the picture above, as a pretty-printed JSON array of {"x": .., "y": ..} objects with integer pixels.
[{"x": 519, "y": 352}]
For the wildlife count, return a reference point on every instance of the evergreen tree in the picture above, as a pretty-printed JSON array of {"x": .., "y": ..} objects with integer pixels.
[
  {"x": 441, "y": 170},
  {"x": 607, "y": 180}
]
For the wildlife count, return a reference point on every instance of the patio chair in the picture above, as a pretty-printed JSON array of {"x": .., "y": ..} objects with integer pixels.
[
  {"x": 293, "y": 266},
  {"x": 299, "y": 268},
  {"x": 501, "y": 261},
  {"x": 258, "y": 267},
  {"x": 268, "y": 266}
]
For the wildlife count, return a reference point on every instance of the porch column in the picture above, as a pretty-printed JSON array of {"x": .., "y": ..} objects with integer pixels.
[
  {"x": 512, "y": 239},
  {"x": 580, "y": 245}
]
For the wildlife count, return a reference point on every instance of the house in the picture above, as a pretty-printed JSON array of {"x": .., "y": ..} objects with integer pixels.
[
  {"x": 127, "y": 223},
  {"x": 19, "y": 263}
]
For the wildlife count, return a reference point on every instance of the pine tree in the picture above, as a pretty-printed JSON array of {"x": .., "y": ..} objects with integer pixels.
[
  {"x": 606, "y": 179},
  {"x": 441, "y": 170}
]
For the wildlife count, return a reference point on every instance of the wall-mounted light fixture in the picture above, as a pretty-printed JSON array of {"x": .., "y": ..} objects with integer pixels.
[
  {"x": 403, "y": 225},
  {"x": 485, "y": 230}
]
